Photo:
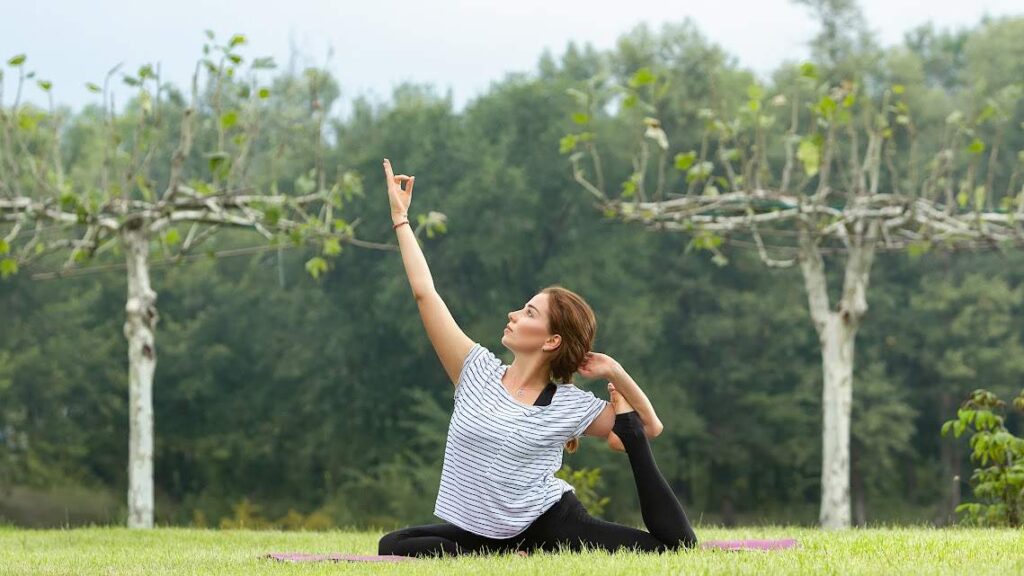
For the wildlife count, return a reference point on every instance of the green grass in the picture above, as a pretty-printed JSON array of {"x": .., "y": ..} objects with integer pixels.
[{"x": 873, "y": 551}]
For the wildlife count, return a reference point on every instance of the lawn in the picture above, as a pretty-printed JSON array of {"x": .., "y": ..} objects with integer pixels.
[{"x": 906, "y": 550}]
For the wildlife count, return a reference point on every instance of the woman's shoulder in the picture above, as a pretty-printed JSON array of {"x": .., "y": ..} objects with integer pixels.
[
  {"x": 479, "y": 358},
  {"x": 574, "y": 392}
]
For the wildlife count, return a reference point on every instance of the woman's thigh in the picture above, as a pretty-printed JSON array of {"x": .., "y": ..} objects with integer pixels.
[{"x": 573, "y": 528}]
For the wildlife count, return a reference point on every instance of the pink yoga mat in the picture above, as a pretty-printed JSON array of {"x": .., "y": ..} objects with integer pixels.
[
  {"x": 303, "y": 557},
  {"x": 750, "y": 544},
  {"x": 336, "y": 557}
]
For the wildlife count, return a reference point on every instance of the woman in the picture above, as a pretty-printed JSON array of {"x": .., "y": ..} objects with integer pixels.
[{"x": 498, "y": 492}]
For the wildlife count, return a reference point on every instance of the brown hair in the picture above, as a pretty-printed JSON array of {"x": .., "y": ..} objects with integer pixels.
[{"x": 571, "y": 318}]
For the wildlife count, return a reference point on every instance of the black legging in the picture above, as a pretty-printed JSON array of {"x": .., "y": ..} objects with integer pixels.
[{"x": 567, "y": 525}]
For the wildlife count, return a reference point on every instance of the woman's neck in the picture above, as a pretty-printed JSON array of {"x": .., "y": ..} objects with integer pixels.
[{"x": 527, "y": 375}]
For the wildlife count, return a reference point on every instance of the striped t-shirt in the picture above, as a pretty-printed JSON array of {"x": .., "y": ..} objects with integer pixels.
[{"x": 501, "y": 455}]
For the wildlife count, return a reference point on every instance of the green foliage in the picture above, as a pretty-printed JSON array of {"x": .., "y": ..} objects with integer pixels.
[
  {"x": 316, "y": 266},
  {"x": 999, "y": 480},
  {"x": 586, "y": 481},
  {"x": 247, "y": 516}
]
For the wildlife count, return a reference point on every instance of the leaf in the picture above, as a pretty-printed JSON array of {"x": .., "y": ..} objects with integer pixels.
[
  {"x": 17, "y": 60},
  {"x": 629, "y": 188},
  {"x": 976, "y": 146},
  {"x": 172, "y": 236},
  {"x": 332, "y": 246},
  {"x": 898, "y": 89},
  {"x": 808, "y": 70},
  {"x": 641, "y": 77},
  {"x": 684, "y": 161},
  {"x": 209, "y": 34},
  {"x": 567, "y": 143},
  {"x": 581, "y": 118},
  {"x": 92, "y": 88},
  {"x": 947, "y": 427},
  {"x": 315, "y": 266},
  {"x": 826, "y": 106},
  {"x": 44, "y": 84},
  {"x": 8, "y": 267},
  {"x": 810, "y": 155},
  {"x": 4, "y": 246},
  {"x": 264, "y": 93},
  {"x": 229, "y": 119},
  {"x": 237, "y": 40}
]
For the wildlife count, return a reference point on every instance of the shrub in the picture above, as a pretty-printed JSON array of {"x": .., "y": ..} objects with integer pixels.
[
  {"x": 585, "y": 481},
  {"x": 999, "y": 481}
]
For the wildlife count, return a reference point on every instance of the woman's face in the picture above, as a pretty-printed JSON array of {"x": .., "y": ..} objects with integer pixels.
[{"x": 527, "y": 327}]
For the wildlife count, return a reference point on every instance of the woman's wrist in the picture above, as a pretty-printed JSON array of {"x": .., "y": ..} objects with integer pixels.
[{"x": 398, "y": 217}]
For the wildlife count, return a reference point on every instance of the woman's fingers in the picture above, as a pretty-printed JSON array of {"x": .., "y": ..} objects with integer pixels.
[
  {"x": 408, "y": 180},
  {"x": 387, "y": 170}
]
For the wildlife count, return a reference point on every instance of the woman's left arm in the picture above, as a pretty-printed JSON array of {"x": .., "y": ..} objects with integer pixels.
[{"x": 631, "y": 391}]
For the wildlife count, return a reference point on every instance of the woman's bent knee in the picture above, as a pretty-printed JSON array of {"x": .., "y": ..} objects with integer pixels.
[{"x": 388, "y": 543}]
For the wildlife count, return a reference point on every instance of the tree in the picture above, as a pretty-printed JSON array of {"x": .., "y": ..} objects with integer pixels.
[
  {"x": 148, "y": 182},
  {"x": 855, "y": 173}
]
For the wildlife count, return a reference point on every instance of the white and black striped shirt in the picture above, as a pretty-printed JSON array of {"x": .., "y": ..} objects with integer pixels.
[{"x": 501, "y": 455}]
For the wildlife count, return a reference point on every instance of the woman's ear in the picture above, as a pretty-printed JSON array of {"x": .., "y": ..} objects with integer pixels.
[{"x": 555, "y": 340}]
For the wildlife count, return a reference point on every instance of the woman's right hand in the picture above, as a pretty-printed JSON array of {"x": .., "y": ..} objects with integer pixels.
[{"x": 399, "y": 197}]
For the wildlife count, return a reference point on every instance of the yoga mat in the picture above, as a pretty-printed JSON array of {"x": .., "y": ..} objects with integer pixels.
[
  {"x": 750, "y": 544},
  {"x": 303, "y": 557},
  {"x": 336, "y": 557}
]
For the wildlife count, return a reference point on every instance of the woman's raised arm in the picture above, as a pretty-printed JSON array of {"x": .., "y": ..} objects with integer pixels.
[{"x": 449, "y": 341}]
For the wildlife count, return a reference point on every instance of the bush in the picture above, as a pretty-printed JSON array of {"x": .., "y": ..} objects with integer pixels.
[
  {"x": 999, "y": 482},
  {"x": 247, "y": 516},
  {"x": 585, "y": 481}
]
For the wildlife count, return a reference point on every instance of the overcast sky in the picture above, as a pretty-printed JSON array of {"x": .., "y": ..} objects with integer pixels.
[{"x": 458, "y": 44}]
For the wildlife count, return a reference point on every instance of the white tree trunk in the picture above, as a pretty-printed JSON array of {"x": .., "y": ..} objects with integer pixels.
[
  {"x": 140, "y": 321},
  {"x": 836, "y": 402},
  {"x": 837, "y": 331}
]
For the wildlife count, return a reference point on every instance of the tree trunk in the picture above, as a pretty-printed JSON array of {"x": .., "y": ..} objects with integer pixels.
[
  {"x": 837, "y": 398},
  {"x": 837, "y": 331},
  {"x": 141, "y": 318}
]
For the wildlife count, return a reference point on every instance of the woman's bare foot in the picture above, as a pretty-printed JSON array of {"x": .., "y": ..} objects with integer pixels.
[
  {"x": 619, "y": 403},
  {"x": 621, "y": 406}
]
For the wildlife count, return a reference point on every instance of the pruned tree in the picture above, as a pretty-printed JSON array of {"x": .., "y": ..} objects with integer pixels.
[
  {"x": 815, "y": 169},
  {"x": 166, "y": 172}
]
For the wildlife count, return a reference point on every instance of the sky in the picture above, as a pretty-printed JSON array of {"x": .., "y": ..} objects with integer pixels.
[{"x": 456, "y": 45}]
